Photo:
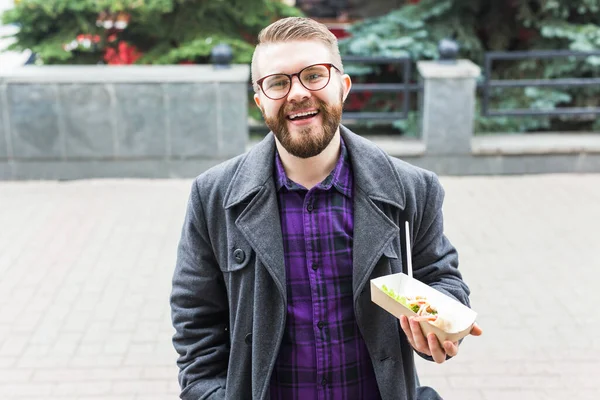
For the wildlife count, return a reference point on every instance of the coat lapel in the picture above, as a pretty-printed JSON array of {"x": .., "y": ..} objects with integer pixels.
[
  {"x": 259, "y": 222},
  {"x": 261, "y": 226},
  {"x": 373, "y": 234},
  {"x": 375, "y": 180}
]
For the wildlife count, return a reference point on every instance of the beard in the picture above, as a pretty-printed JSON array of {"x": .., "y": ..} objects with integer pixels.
[{"x": 309, "y": 141}]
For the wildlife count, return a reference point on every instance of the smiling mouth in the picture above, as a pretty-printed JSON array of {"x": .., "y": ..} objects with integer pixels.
[{"x": 302, "y": 116}]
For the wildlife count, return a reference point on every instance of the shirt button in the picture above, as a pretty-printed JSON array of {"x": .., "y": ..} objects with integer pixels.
[
  {"x": 320, "y": 324},
  {"x": 315, "y": 266},
  {"x": 324, "y": 382},
  {"x": 309, "y": 208}
]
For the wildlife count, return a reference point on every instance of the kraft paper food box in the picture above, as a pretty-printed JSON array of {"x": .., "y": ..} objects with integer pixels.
[{"x": 459, "y": 317}]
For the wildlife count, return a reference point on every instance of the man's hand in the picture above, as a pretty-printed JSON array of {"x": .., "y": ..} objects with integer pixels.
[{"x": 430, "y": 345}]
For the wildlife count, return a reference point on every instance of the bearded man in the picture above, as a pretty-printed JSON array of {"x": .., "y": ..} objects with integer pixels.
[{"x": 271, "y": 296}]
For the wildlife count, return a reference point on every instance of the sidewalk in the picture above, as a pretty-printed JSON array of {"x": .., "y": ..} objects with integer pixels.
[{"x": 85, "y": 275}]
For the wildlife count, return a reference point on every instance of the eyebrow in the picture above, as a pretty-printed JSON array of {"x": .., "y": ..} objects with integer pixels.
[{"x": 298, "y": 70}]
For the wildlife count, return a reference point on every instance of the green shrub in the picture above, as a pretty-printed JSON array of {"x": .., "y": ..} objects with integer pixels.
[
  {"x": 485, "y": 25},
  {"x": 157, "y": 32}
]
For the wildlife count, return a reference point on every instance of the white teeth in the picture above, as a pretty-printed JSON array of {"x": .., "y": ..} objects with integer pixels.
[{"x": 294, "y": 116}]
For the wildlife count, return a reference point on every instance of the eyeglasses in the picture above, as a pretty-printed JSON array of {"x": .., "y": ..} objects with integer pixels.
[{"x": 314, "y": 77}]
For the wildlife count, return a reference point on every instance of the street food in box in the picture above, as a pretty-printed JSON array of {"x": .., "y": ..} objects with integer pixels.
[{"x": 436, "y": 312}]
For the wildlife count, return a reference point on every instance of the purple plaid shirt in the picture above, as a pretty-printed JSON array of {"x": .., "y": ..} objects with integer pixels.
[{"x": 323, "y": 355}]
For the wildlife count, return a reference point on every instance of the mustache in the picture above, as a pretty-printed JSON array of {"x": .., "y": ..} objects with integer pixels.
[{"x": 301, "y": 106}]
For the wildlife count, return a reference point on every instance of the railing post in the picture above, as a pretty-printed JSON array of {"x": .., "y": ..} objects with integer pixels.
[
  {"x": 221, "y": 56},
  {"x": 448, "y": 105}
]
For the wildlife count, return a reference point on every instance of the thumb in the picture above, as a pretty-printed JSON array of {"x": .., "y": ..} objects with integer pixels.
[{"x": 476, "y": 330}]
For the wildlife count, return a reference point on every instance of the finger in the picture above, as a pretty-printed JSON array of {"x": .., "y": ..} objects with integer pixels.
[
  {"x": 418, "y": 337},
  {"x": 404, "y": 324},
  {"x": 406, "y": 328},
  {"x": 437, "y": 352},
  {"x": 451, "y": 348},
  {"x": 476, "y": 330}
]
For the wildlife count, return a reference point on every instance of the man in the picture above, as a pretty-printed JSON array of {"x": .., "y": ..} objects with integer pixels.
[{"x": 271, "y": 294}]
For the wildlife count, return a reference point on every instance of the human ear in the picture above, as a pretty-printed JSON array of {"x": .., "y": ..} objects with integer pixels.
[
  {"x": 346, "y": 86},
  {"x": 257, "y": 100}
]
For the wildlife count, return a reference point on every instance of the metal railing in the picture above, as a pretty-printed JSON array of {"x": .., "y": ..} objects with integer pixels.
[
  {"x": 486, "y": 85},
  {"x": 406, "y": 88},
  {"x": 489, "y": 84}
]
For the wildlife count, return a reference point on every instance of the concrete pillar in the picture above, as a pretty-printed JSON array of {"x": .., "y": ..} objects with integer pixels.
[{"x": 448, "y": 106}]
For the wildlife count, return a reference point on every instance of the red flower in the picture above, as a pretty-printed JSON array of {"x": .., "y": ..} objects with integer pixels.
[
  {"x": 339, "y": 33},
  {"x": 124, "y": 54}
]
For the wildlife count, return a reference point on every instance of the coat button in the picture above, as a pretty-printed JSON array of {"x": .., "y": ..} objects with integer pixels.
[
  {"x": 239, "y": 256},
  {"x": 248, "y": 339}
]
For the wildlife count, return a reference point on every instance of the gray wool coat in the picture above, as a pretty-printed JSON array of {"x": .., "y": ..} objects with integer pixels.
[{"x": 229, "y": 299}]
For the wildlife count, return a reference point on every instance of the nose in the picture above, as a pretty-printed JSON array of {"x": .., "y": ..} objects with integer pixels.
[{"x": 298, "y": 92}]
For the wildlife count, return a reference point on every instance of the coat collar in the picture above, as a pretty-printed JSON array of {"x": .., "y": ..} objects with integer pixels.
[
  {"x": 252, "y": 174},
  {"x": 374, "y": 173}
]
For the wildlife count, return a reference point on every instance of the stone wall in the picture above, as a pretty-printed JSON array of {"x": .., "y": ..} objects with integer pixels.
[
  {"x": 80, "y": 122},
  {"x": 95, "y": 121}
]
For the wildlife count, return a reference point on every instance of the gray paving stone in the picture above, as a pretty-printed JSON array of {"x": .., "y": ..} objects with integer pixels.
[
  {"x": 503, "y": 394},
  {"x": 460, "y": 394},
  {"x": 14, "y": 376},
  {"x": 82, "y": 388}
]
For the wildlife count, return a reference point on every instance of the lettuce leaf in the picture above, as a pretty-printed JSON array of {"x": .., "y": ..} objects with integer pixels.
[{"x": 390, "y": 292}]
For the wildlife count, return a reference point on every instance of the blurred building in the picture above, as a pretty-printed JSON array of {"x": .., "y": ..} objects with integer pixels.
[
  {"x": 347, "y": 9},
  {"x": 337, "y": 15}
]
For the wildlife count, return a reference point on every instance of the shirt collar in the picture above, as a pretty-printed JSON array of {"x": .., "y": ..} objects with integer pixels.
[{"x": 340, "y": 177}]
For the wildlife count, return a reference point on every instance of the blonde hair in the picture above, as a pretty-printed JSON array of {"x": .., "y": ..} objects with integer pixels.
[{"x": 295, "y": 29}]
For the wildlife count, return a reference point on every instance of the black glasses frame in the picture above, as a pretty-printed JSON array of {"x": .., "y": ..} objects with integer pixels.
[{"x": 290, "y": 76}]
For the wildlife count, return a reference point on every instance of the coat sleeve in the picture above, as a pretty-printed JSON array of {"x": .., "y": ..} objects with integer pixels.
[
  {"x": 199, "y": 310},
  {"x": 435, "y": 260}
]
